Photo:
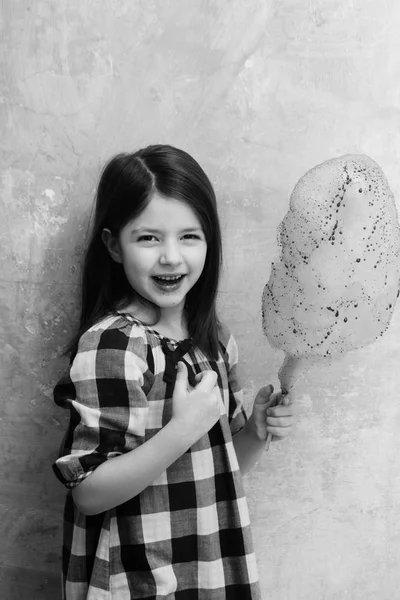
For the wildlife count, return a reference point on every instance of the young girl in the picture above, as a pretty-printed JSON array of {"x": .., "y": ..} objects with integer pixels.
[{"x": 158, "y": 438}]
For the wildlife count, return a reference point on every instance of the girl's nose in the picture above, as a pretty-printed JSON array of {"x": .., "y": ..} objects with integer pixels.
[{"x": 170, "y": 254}]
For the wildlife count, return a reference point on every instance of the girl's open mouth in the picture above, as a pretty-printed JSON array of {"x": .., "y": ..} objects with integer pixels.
[{"x": 168, "y": 282}]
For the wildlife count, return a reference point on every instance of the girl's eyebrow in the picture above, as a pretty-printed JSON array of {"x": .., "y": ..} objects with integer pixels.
[
  {"x": 147, "y": 229},
  {"x": 152, "y": 230}
]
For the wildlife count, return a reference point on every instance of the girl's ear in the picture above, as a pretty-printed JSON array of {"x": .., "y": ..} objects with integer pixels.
[{"x": 112, "y": 245}]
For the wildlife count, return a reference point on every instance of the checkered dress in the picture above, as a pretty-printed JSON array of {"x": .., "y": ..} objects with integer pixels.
[{"x": 187, "y": 535}]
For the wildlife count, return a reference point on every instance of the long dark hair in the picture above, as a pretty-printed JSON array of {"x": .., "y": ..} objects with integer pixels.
[{"x": 126, "y": 186}]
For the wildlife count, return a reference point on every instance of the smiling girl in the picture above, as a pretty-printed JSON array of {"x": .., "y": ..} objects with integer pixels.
[{"x": 158, "y": 438}]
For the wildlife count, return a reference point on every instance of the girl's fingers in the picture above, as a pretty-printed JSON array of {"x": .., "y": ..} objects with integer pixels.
[
  {"x": 282, "y": 410},
  {"x": 281, "y": 416},
  {"x": 279, "y": 432},
  {"x": 181, "y": 377},
  {"x": 280, "y": 421},
  {"x": 286, "y": 400},
  {"x": 275, "y": 398},
  {"x": 282, "y": 399},
  {"x": 207, "y": 382},
  {"x": 265, "y": 396}
]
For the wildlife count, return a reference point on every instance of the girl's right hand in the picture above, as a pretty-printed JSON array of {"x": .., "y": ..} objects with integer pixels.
[{"x": 197, "y": 410}]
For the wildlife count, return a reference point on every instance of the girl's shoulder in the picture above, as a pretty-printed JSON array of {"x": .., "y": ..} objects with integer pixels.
[
  {"x": 115, "y": 332},
  {"x": 227, "y": 344},
  {"x": 112, "y": 349},
  {"x": 224, "y": 333}
]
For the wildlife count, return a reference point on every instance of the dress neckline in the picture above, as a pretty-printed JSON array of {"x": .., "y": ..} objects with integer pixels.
[{"x": 161, "y": 336}]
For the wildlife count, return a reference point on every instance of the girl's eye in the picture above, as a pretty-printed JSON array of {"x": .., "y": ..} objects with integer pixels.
[
  {"x": 147, "y": 238},
  {"x": 191, "y": 236}
]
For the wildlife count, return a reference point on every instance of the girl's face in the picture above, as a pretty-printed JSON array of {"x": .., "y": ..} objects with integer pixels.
[{"x": 163, "y": 252}]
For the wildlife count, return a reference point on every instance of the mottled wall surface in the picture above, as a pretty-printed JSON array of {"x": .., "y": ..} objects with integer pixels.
[{"x": 258, "y": 92}]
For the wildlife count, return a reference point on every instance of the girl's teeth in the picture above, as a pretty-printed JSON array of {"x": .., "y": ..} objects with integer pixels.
[{"x": 168, "y": 279}]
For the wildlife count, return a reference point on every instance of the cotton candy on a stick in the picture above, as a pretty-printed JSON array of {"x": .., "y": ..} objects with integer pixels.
[{"x": 335, "y": 285}]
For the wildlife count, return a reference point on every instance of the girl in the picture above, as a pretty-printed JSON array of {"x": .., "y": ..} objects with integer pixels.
[{"x": 158, "y": 437}]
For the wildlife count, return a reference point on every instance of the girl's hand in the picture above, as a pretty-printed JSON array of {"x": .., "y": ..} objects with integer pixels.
[
  {"x": 271, "y": 417},
  {"x": 195, "y": 411}
]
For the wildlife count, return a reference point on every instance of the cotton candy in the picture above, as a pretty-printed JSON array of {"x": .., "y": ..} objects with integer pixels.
[{"x": 336, "y": 283}]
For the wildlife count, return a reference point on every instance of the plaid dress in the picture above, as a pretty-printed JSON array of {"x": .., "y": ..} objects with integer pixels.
[{"x": 187, "y": 535}]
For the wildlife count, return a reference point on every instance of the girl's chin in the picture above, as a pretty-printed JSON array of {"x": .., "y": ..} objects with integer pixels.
[
  {"x": 165, "y": 300},
  {"x": 170, "y": 303}
]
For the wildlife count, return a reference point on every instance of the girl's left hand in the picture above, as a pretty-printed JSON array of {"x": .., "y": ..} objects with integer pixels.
[{"x": 271, "y": 417}]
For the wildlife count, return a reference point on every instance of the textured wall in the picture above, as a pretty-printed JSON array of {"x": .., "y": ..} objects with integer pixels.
[{"x": 259, "y": 92}]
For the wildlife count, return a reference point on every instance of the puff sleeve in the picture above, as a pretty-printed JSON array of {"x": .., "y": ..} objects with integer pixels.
[
  {"x": 236, "y": 413},
  {"x": 105, "y": 392}
]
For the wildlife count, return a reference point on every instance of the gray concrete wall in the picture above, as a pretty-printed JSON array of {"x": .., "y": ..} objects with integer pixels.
[{"x": 259, "y": 92}]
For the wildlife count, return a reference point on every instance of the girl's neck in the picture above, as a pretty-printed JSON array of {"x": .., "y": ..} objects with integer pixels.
[
  {"x": 175, "y": 329},
  {"x": 172, "y": 322}
]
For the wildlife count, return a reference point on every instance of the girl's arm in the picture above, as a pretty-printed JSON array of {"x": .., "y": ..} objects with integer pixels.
[
  {"x": 248, "y": 446},
  {"x": 266, "y": 418},
  {"x": 119, "y": 479}
]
